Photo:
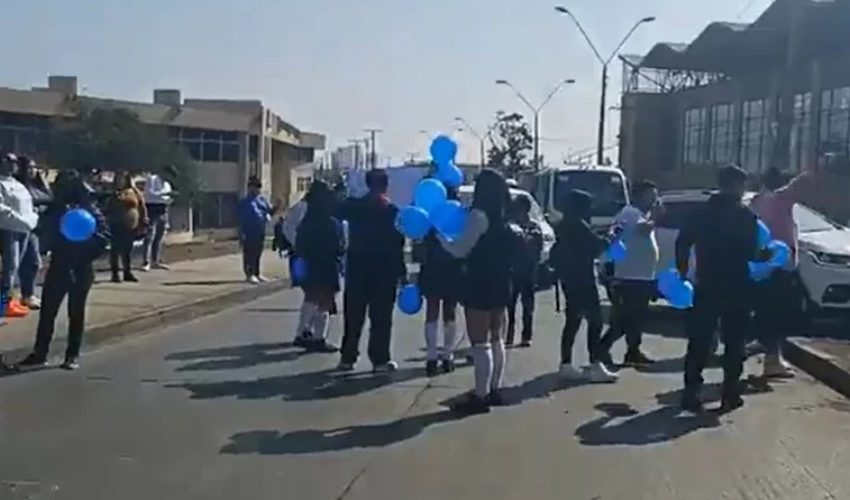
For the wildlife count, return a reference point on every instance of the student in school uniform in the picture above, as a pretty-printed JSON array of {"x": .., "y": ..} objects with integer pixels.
[
  {"x": 487, "y": 246},
  {"x": 441, "y": 282},
  {"x": 524, "y": 284}
]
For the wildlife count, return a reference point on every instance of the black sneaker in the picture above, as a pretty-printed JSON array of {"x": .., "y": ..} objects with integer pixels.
[
  {"x": 130, "y": 278},
  {"x": 32, "y": 361},
  {"x": 323, "y": 346},
  {"x": 6, "y": 368},
  {"x": 495, "y": 399},
  {"x": 692, "y": 404},
  {"x": 637, "y": 359},
  {"x": 388, "y": 367},
  {"x": 70, "y": 364},
  {"x": 525, "y": 343},
  {"x": 448, "y": 365},
  {"x": 303, "y": 340},
  {"x": 731, "y": 403},
  {"x": 471, "y": 405},
  {"x": 115, "y": 278},
  {"x": 431, "y": 368}
]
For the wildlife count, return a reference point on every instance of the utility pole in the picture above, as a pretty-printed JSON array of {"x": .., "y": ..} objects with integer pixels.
[{"x": 372, "y": 136}]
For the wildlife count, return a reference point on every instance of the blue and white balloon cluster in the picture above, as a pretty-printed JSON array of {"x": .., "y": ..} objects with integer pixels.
[
  {"x": 431, "y": 206},
  {"x": 780, "y": 255}
]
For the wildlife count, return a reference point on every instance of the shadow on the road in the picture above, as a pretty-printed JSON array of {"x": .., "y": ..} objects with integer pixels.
[
  {"x": 343, "y": 438},
  {"x": 282, "y": 310},
  {"x": 203, "y": 283},
  {"x": 301, "y": 386},
  {"x": 624, "y": 426},
  {"x": 540, "y": 387},
  {"x": 236, "y": 357}
]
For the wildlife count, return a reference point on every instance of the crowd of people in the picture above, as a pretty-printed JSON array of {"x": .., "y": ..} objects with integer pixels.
[
  {"x": 495, "y": 260},
  {"x": 31, "y": 210}
]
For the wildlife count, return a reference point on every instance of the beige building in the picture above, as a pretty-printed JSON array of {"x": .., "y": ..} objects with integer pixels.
[{"x": 231, "y": 140}]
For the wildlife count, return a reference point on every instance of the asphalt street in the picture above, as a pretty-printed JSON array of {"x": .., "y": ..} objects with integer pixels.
[{"x": 226, "y": 408}]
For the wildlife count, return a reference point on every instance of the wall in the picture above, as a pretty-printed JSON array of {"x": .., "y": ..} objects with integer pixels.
[{"x": 221, "y": 177}]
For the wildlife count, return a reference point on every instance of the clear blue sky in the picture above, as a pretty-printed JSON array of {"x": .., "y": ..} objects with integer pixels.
[{"x": 336, "y": 66}]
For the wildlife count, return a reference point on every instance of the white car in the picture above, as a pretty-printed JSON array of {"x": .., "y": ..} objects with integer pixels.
[
  {"x": 824, "y": 248},
  {"x": 536, "y": 214}
]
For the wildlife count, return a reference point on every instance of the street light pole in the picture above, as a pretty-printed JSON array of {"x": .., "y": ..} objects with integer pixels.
[
  {"x": 600, "y": 146},
  {"x": 372, "y": 132},
  {"x": 481, "y": 138},
  {"x": 535, "y": 111}
]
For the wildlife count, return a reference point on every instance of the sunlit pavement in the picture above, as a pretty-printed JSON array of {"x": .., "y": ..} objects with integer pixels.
[{"x": 225, "y": 408}]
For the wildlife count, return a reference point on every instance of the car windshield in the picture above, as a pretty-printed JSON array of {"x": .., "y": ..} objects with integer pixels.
[
  {"x": 809, "y": 221},
  {"x": 607, "y": 189}
]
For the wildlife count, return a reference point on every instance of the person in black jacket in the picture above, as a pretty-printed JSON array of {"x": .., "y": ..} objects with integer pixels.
[
  {"x": 723, "y": 233},
  {"x": 574, "y": 254},
  {"x": 374, "y": 268},
  {"x": 70, "y": 272},
  {"x": 29, "y": 176},
  {"x": 524, "y": 279}
]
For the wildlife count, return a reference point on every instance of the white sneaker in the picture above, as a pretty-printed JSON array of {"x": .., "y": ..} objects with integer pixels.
[
  {"x": 571, "y": 373},
  {"x": 161, "y": 266},
  {"x": 600, "y": 374},
  {"x": 263, "y": 279},
  {"x": 389, "y": 366},
  {"x": 146, "y": 268},
  {"x": 776, "y": 367},
  {"x": 31, "y": 303},
  {"x": 254, "y": 280}
]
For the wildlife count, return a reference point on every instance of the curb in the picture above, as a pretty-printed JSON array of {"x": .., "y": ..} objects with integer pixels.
[
  {"x": 818, "y": 364},
  {"x": 158, "y": 319}
]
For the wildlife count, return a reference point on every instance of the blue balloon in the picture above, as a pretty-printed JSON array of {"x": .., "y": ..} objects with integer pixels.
[
  {"x": 443, "y": 150},
  {"x": 617, "y": 251},
  {"x": 764, "y": 236},
  {"x": 760, "y": 271},
  {"x": 678, "y": 292},
  {"x": 449, "y": 219},
  {"x": 299, "y": 270},
  {"x": 410, "y": 299},
  {"x": 780, "y": 253},
  {"x": 414, "y": 222},
  {"x": 450, "y": 174},
  {"x": 77, "y": 225},
  {"x": 429, "y": 194},
  {"x": 666, "y": 279}
]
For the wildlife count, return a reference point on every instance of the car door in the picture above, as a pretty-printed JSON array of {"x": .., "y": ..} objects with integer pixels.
[{"x": 667, "y": 229}]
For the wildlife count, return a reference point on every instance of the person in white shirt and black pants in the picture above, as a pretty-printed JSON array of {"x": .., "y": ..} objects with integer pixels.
[
  {"x": 157, "y": 200},
  {"x": 634, "y": 277}
]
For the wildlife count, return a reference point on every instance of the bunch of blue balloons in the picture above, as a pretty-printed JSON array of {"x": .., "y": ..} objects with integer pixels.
[
  {"x": 431, "y": 206},
  {"x": 780, "y": 255},
  {"x": 77, "y": 225}
]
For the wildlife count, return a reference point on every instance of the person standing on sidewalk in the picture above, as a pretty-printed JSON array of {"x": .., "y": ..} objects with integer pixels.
[
  {"x": 634, "y": 277},
  {"x": 524, "y": 277},
  {"x": 374, "y": 268},
  {"x": 254, "y": 214},
  {"x": 778, "y": 309},
  {"x": 70, "y": 272},
  {"x": 575, "y": 251},
  {"x": 127, "y": 217},
  {"x": 18, "y": 219},
  {"x": 29, "y": 176},
  {"x": 157, "y": 200},
  {"x": 723, "y": 233},
  {"x": 321, "y": 244},
  {"x": 306, "y": 318}
]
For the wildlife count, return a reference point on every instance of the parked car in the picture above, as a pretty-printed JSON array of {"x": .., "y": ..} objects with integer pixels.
[{"x": 824, "y": 248}]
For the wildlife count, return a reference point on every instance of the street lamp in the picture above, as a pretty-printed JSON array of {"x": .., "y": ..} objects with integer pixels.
[
  {"x": 536, "y": 111},
  {"x": 605, "y": 62},
  {"x": 481, "y": 137}
]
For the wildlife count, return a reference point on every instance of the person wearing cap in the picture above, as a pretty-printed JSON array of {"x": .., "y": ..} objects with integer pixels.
[
  {"x": 254, "y": 213},
  {"x": 29, "y": 176},
  {"x": 17, "y": 219},
  {"x": 723, "y": 232},
  {"x": 157, "y": 195}
]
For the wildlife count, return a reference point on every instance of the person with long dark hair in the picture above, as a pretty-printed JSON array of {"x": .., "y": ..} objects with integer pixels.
[
  {"x": 29, "y": 176},
  {"x": 321, "y": 244},
  {"x": 488, "y": 246},
  {"x": 440, "y": 280},
  {"x": 128, "y": 217}
]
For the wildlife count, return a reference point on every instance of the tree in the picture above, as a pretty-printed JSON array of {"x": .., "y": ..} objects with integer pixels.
[
  {"x": 512, "y": 143},
  {"x": 114, "y": 139}
]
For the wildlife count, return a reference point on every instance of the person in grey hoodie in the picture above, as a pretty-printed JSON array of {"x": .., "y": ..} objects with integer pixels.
[{"x": 17, "y": 219}]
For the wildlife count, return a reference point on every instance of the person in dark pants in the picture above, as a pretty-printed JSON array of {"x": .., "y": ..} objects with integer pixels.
[
  {"x": 633, "y": 283},
  {"x": 157, "y": 201},
  {"x": 575, "y": 251},
  {"x": 128, "y": 217},
  {"x": 70, "y": 273},
  {"x": 254, "y": 213},
  {"x": 374, "y": 267},
  {"x": 29, "y": 176},
  {"x": 723, "y": 233},
  {"x": 524, "y": 276}
]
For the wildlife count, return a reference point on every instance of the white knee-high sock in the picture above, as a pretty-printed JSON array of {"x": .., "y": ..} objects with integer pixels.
[
  {"x": 320, "y": 324},
  {"x": 449, "y": 339},
  {"x": 482, "y": 357},
  {"x": 499, "y": 358},
  {"x": 305, "y": 319},
  {"x": 431, "y": 340}
]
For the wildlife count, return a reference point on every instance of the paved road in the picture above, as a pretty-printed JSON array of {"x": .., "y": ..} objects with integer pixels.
[{"x": 223, "y": 408}]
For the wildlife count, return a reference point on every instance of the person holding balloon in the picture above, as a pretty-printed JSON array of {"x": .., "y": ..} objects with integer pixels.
[
  {"x": 77, "y": 236},
  {"x": 441, "y": 282},
  {"x": 724, "y": 235},
  {"x": 488, "y": 246},
  {"x": 320, "y": 243}
]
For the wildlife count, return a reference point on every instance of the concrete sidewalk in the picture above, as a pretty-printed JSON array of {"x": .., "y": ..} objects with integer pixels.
[{"x": 191, "y": 289}]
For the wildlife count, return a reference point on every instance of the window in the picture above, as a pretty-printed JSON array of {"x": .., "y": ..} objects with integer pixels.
[
  {"x": 694, "y": 139},
  {"x": 754, "y": 135},
  {"x": 835, "y": 119},
  {"x": 801, "y": 131},
  {"x": 722, "y": 134},
  {"x": 215, "y": 210},
  {"x": 303, "y": 184},
  {"x": 208, "y": 145},
  {"x": 607, "y": 189}
]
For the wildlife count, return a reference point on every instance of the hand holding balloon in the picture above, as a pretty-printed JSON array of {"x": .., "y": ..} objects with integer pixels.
[{"x": 77, "y": 225}]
